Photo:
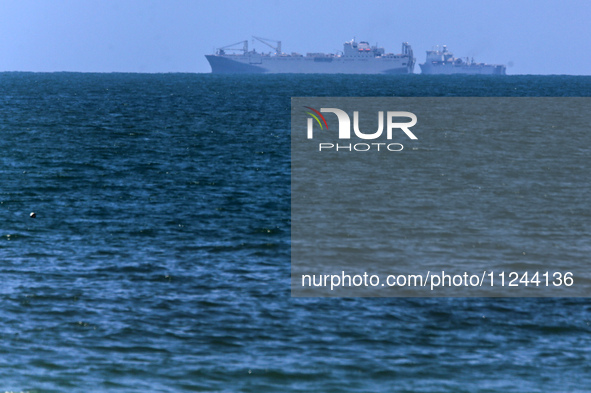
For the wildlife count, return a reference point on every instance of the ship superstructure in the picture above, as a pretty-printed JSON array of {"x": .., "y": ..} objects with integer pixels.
[
  {"x": 356, "y": 58},
  {"x": 444, "y": 62}
]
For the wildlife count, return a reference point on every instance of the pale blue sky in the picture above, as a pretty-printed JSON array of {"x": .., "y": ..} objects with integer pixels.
[{"x": 533, "y": 37}]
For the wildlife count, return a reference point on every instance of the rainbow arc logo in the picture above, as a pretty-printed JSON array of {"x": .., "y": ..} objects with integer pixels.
[{"x": 316, "y": 117}]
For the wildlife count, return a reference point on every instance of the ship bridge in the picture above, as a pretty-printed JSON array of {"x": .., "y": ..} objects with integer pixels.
[{"x": 361, "y": 49}]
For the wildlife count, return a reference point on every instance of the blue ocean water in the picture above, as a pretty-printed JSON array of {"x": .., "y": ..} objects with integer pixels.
[{"x": 160, "y": 257}]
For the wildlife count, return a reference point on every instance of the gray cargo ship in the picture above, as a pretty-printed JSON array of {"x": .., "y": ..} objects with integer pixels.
[
  {"x": 444, "y": 62},
  {"x": 356, "y": 58}
]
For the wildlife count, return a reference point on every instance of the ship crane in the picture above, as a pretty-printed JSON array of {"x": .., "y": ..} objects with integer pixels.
[
  {"x": 264, "y": 41},
  {"x": 244, "y": 48}
]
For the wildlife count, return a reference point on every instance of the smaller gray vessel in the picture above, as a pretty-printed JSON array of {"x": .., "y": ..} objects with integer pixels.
[{"x": 444, "y": 62}]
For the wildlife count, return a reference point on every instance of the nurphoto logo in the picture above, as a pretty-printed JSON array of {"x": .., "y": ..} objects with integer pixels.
[{"x": 344, "y": 129}]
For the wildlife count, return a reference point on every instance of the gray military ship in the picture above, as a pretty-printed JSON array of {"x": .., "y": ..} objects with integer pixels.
[
  {"x": 356, "y": 58},
  {"x": 444, "y": 62}
]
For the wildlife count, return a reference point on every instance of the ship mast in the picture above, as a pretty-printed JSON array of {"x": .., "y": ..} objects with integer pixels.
[
  {"x": 244, "y": 48},
  {"x": 264, "y": 41}
]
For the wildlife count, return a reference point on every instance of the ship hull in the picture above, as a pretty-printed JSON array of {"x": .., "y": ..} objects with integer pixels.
[
  {"x": 256, "y": 64},
  {"x": 473, "y": 69}
]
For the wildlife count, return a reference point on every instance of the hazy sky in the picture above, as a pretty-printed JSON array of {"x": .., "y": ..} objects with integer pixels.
[{"x": 531, "y": 36}]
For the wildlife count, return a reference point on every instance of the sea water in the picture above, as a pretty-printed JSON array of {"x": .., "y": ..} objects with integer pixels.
[{"x": 159, "y": 258}]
